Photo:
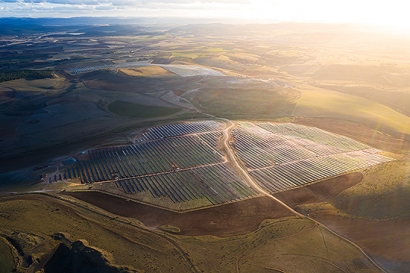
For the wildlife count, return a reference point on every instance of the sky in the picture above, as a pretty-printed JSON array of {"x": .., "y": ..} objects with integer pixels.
[{"x": 393, "y": 13}]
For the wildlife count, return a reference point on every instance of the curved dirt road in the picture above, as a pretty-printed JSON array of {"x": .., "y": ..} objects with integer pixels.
[{"x": 232, "y": 158}]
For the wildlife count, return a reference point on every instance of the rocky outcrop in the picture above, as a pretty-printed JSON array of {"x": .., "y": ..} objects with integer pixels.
[{"x": 77, "y": 257}]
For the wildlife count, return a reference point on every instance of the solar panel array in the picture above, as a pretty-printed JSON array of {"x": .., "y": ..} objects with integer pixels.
[
  {"x": 178, "y": 161},
  {"x": 285, "y": 156},
  {"x": 181, "y": 161}
]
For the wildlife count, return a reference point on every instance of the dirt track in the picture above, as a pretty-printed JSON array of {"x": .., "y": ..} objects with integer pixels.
[
  {"x": 232, "y": 157},
  {"x": 227, "y": 220},
  {"x": 388, "y": 242}
]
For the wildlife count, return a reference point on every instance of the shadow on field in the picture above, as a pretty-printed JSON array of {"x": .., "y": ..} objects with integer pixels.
[{"x": 227, "y": 220}]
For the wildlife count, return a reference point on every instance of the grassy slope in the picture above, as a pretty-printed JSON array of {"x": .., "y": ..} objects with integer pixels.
[
  {"x": 147, "y": 71},
  {"x": 6, "y": 257},
  {"x": 283, "y": 244},
  {"x": 286, "y": 245},
  {"x": 127, "y": 109},
  {"x": 382, "y": 194},
  {"x": 36, "y": 218},
  {"x": 244, "y": 103},
  {"x": 37, "y": 85},
  {"x": 316, "y": 102},
  {"x": 393, "y": 97},
  {"x": 374, "y": 214}
]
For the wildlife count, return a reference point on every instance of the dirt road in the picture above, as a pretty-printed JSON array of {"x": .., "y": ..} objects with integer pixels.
[{"x": 234, "y": 161}]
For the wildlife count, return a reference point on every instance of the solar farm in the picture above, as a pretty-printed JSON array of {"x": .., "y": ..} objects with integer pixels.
[
  {"x": 284, "y": 156},
  {"x": 181, "y": 165},
  {"x": 179, "y": 162}
]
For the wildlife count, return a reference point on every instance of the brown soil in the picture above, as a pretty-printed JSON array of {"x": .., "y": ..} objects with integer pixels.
[
  {"x": 388, "y": 242},
  {"x": 359, "y": 132},
  {"x": 321, "y": 191},
  {"x": 227, "y": 220}
]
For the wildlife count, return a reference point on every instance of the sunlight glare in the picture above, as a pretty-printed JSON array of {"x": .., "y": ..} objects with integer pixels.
[{"x": 393, "y": 14}]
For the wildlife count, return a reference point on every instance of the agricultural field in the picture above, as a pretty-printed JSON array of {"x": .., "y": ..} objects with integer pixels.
[
  {"x": 245, "y": 99},
  {"x": 176, "y": 69},
  {"x": 204, "y": 148},
  {"x": 147, "y": 71},
  {"x": 285, "y": 156},
  {"x": 128, "y": 109}
]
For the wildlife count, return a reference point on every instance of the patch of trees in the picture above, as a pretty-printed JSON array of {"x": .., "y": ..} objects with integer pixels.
[{"x": 9, "y": 75}]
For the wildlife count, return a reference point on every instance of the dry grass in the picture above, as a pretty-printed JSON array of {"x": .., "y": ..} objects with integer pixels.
[
  {"x": 6, "y": 256},
  {"x": 147, "y": 71},
  {"x": 383, "y": 193},
  {"x": 286, "y": 245},
  {"x": 40, "y": 85},
  {"x": 316, "y": 102},
  {"x": 32, "y": 219},
  {"x": 128, "y": 109},
  {"x": 258, "y": 102},
  {"x": 374, "y": 214},
  {"x": 388, "y": 242}
]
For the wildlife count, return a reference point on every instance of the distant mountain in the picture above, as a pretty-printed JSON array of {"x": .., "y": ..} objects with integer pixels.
[
  {"x": 251, "y": 29},
  {"x": 7, "y": 29},
  {"x": 95, "y": 21},
  {"x": 74, "y": 21},
  {"x": 116, "y": 30},
  {"x": 17, "y": 28}
]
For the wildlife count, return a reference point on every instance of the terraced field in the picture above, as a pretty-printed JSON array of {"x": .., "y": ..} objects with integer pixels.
[{"x": 285, "y": 156}]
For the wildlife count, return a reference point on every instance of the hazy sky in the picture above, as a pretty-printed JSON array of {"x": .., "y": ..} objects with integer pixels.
[{"x": 384, "y": 12}]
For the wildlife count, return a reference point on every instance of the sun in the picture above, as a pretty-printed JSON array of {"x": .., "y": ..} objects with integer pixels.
[{"x": 392, "y": 14}]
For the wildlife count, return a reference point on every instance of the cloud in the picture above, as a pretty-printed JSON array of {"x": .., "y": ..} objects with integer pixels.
[
  {"x": 392, "y": 12},
  {"x": 127, "y": 2},
  {"x": 143, "y": 8}
]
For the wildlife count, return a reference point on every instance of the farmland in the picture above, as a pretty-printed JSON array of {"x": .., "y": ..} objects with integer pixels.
[
  {"x": 128, "y": 109},
  {"x": 178, "y": 69},
  {"x": 230, "y": 148}
]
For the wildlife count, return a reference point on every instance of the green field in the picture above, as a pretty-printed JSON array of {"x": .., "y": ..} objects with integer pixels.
[
  {"x": 246, "y": 103},
  {"x": 20, "y": 74},
  {"x": 128, "y": 109}
]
